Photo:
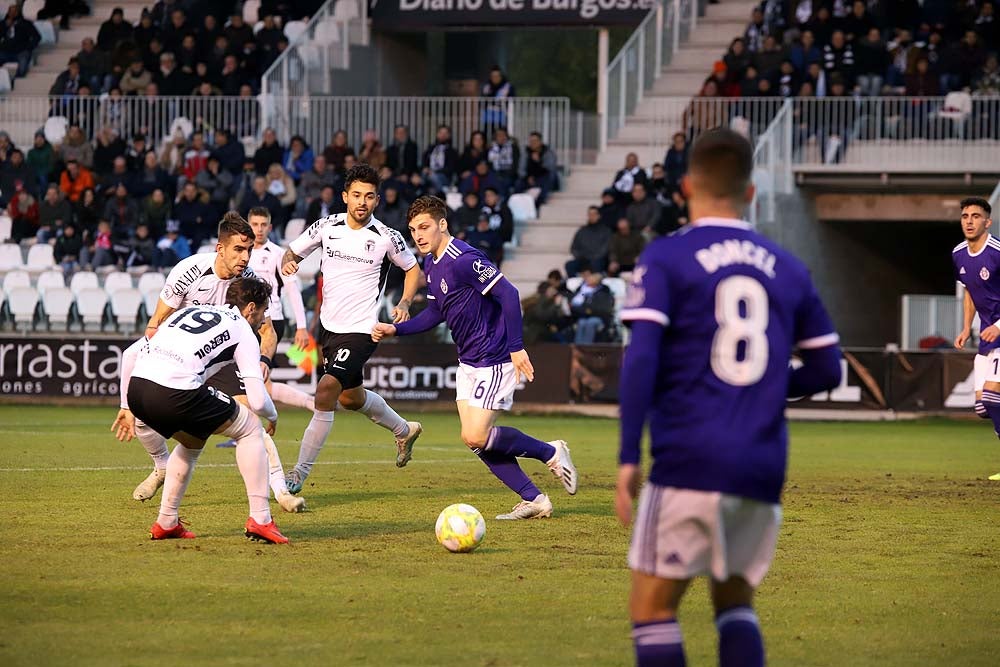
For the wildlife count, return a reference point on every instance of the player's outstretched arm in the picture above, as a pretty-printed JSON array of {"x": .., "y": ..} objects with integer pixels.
[
  {"x": 383, "y": 330},
  {"x": 162, "y": 312},
  {"x": 411, "y": 283},
  {"x": 290, "y": 263},
  {"x": 124, "y": 424},
  {"x": 425, "y": 321}
]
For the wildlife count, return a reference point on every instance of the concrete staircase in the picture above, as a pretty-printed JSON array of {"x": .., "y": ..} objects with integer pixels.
[{"x": 544, "y": 243}]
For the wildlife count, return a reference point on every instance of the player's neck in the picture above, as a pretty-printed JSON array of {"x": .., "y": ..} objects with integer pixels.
[
  {"x": 258, "y": 246},
  {"x": 439, "y": 251},
  {"x": 975, "y": 245},
  {"x": 355, "y": 224},
  {"x": 712, "y": 209}
]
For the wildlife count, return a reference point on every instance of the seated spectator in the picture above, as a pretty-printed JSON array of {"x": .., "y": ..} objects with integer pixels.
[
  {"x": 326, "y": 204},
  {"x": 281, "y": 186},
  {"x": 173, "y": 32},
  {"x": 297, "y": 159},
  {"x": 592, "y": 308},
  {"x": 466, "y": 217},
  {"x": 103, "y": 252},
  {"x": 95, "y": 66},
  {"x": 838, "y": 56},
  {"x": 481, "y": 178},
  {"x": 75, "y": 147},
  {"x": 545, "y": 315},
  {"x": 143, "y": 32},
  {"x": 644, "y": 211},
  {"x": 74, "y": 179},
  {"x": 504, "y": 157},
  {"x": 986, "y": 24},
  {"x": 195, "y": 157},
  {"x": 403, "y": 154},
  {"x": 109, "y": 147},
  {"x": 500, "y": 217},
  {"x": 391, "y": 210},
  {"x": 440, "y": 161},
  {"x": 969, "y": 57},
  {"x": 750, "y": 82},
  {"x": 985, "y": 83},
  {"x": 924, "y": 84},
  {"x": 858, "y": 22},
  {"x": 15, "y": 170},
  {"x": 151, "y": 177},
  {"x": 474, "y": 151},
  {"x": 86, "y": 213},
  {"x": 660, "y": 188},
  {"x": 675, "y": 161},
  {"x": 624, "y": 249},
  {"x": 141, "y": 248},
  {"x": 768, "y": 58},
  {"x": 871, "y": 62},
  {"x": 805, "y": 51},
  {"x": 725, "y": 84},
  {"x": 756, "y": 31},
  {"x": 22, "y": 207},
  {"x": 67, "y": 249},
  {"x": 316, "y": 178},
  {"x": 136, "y": 154},
  {"x": 188, "y": 57},
  {"x": 269, "y": 152},
  {"x": 229, "y": 152},
  {"x": 259, "y": 196},
  {"x": 821, "y": 24},
  {"x": 787, "y": 83},
  {"x": 218, "y": 183},
  {"x": 538, "y": 168},
  {"x": 337, "y": 150},
  {"x": 197, "y": 220},
  {"x": 122, "y": 212},
  {"x": 54, "y": 212},
  {"x": 18, "y": 39},
  {"x": 119, "y": 174},
  {"x": 486, "y": 240},
  {"x": 154, "y": 213},
  {"x": 590, "y": 245},
  {"x": 610, "y": 210},
  {"x": 238, "y": 32},
  {"x": 736, "y": 60},
  {"x": 627, "y": 177},
  {"x": 169, "y": 79},
  {"x": 269, "y": 35},
  {"x": 63, "y": 9},
  {"x": 116, "y": 30},
  {"x": 371, "y": 152},
  {"x": 41, "y": 159},
  {"x": 135, "y": 79},
  {"x": 171, "y": 248},
  {"x": 68, "y": 83}
]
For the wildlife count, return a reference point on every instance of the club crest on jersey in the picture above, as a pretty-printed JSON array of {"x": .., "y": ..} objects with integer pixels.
[
  {"x": 369, "y": 245},
  {"x": 483, "y": 270},
  {"x": 444, "y": 287},
  {"x": 984, "y": 273}
]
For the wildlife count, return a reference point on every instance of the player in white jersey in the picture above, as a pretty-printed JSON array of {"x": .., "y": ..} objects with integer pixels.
[
  {"x": 164, "y": 385},
  {"x": 357, "y": 253},
  {"x": 203, "y": 279}
]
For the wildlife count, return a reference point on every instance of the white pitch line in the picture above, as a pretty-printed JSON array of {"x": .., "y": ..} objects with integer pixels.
[{"x": 385, "y": 462}]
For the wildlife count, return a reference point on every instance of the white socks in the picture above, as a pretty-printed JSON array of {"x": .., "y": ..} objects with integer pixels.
[
  {"x": 288, "y": 395},
  {"x": 251, "y": 459},
  {"x": 154, "y": 444},
  {"x": 379, "y": 412},
  {"x": 312, "y": 441},
  {"x": 275, "y": 474},
  {"x": 179, "y": 469}
]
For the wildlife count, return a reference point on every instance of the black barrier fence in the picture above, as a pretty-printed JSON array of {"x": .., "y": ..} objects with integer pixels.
[{"x": 80, "y": 368}]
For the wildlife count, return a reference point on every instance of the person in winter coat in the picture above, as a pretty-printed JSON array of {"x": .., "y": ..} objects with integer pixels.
[{"x": 590, "y": 245}]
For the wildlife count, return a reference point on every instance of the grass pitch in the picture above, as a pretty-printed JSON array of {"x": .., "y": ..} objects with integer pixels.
[{"x": 888, "y": 554}]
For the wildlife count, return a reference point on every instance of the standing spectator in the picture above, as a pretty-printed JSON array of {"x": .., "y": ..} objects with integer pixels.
[
  {"x": 537, "y": 168},
  {"x": 624, "y": 249},
  {"x": 122, "y": 212},
  {"x": 325, "y": 204},
  {"x": 67, "y": 249},
  {"x": 116, "y": 30},
  {"x": 218, "y": 183},
  {"x": 644, "y": 211},
  {"x": 871, "y": 62},
  {"x": 197, "y": 220},
  {"x": 337, "y": 151},
  {"x": 371, "y": 152},
  {"x": 440, "y": 160},
  {"x": 592, "y": 307},
  {"x": 391, "y": 211},
  {"x": 610, "y": 210},
  {"x": 154, "y": 212},
  {"x": 628, "y": 176},
  {"x": 259, "y": 196},
  {"x": 18, "y": 39},
  {"x": 756, "y": 31},
  {"x": 41, "y": 159},
  {"x": 590, "y": 245},
  {"x": 74, "y": 179},
  {"x": 195, "y": 157},
  {"x": 497, "y": 85},
  {"x": 474, "y": 151},
  {"x": 172, "y": 247},
  {"x": 403, "y": 153},
  {"x": 481, "y": 178},
  {"x": 229, "y": 152},
  {"x": 504, "y": 157},
  {"x": 838, "y": 56},
  {"x": 486, "y": 240},
  {"x": 297, "y": 159},
  {"x": 23, "y": 211},
  {"x": 270, "y": 152},
  {"x": 675, "y": 161},
  {"x": 54, "y": 213}
]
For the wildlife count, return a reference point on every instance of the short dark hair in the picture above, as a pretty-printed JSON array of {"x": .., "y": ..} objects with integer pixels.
[
  {"x": 594, "y": 208},
  {"x": 723, "y": 162},
  {"x": 259, "y": 210},
  {"x": 248, "y": 290},
  {"x": 976, "y": 201},
  {"x": 232, "y": 225},
  {"x": 434, "y": 206},
  {"x": 361, "y": 172}
]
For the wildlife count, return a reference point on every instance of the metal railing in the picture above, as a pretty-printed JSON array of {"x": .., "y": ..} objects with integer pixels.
[
  {"x": 638, "y": 64},
  {"x": 929, "y": 315},
  {"x": 772, "y": 166}
]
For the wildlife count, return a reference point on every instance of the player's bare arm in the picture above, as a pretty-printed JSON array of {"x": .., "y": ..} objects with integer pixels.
[
  {"x": 268, "y": 346},
  {"x": 383, "y": 330},
  {"x": 626, "y": 490},
  {"x": 163, "y": 311},
  {"x": 523, "y": 364},
  {"x": 124, "y": 425},
  {"x": 968, "y": 314},
  {"x": 290, "y": 263},
  {"x": 411, "y": 283}
]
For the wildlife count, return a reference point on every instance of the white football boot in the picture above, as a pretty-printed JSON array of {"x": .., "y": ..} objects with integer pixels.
[
  {"x": 539, "y": 508},
  {"x": 149, "y": 486},
  {"x": 291, "y": 503},
  {"x": 404, "y": 446},
  {"x": 562, "y": 466}
]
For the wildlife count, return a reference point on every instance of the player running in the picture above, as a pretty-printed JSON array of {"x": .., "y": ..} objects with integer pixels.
[
  {"x": 357, "y": 252},
  {"x": 203, "y": 279},
  {"x": 483, "y": 311},
  {"x": 716, "y": 310},
  {"x": 977, "y": 266},
  {"x": 163, "y": 384}
]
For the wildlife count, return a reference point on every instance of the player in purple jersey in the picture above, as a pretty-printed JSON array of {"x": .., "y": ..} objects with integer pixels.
[
  {"x": 483, "y": 311},
  {"x": 977, "y": 266},
  {"x": 716, "y": 311}
]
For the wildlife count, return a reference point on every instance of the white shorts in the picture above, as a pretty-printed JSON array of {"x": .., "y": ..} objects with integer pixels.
[
  {"x": 681, "y": 534},
  {"x": 983, "y": 368},
  {"x": 490, "y": 387}
]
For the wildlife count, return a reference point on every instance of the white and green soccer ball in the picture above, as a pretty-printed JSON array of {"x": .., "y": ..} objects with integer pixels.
[{"x": 460, "y": 528}]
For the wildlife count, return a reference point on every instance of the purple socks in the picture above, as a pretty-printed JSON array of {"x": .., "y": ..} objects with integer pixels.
[
  {"x": 507, "y": 440},
  {"x": 658, "y": 644},
  {"x": 740, "y": 643},
  {"x": 506, "y": 469}
]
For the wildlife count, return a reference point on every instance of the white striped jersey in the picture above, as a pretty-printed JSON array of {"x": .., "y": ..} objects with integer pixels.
[
  {"x": 266, "y": 264},
  {"x": 193, "y": 281}
]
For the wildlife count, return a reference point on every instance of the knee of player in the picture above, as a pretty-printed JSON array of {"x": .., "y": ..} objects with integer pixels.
[
  {"x": 474, "y": 439},
  {"x": 350, "y": 402},
  {"x": 327, "y": 394}
]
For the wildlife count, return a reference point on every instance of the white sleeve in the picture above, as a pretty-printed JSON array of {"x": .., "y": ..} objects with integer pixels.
[
  {"x": 247, "y": 358},
  {"x": 398, "y": 252},
  {"x": 260, "y": 403},
  {"x": 293, "y": 288},
  {"x": 175, "y": 289},
  {"x": 308, "y": 240},
  {"x": 128, "y": 364}
]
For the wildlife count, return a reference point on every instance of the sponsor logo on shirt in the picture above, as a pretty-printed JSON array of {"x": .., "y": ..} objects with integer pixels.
[
  {"x": 397, "y": 241},
  {"x": 212, "y": 344},
  {"x": 483, "y": 270},
  {"x": 984, "y": 273},
  {"x": 369, "y": 245},
  {"x": 444, "y": 287},
  {"x": 336, "y": 254}
]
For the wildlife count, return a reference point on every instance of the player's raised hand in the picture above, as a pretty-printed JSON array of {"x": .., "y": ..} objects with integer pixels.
[
  {"x": 124, "y": 425},
  {"x": 289, "y": 268},
  {"x": 990, "y": 333},
  {"x": 301, "y": 339},
  {"x": 626, "y": 490},
  {"x": 383, "y": 330},
  {"x": 523, "y": 364},
  {"x": 962, "y": 338},
  {"x": 401, "y": 312},
  {"x": 271, "y": 427}
]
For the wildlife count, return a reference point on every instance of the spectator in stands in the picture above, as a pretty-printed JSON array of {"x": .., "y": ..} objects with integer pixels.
[
  {"x": 768, "y": 58},
  {"x": 871, "y": 62},
  {"x": 6, "y": 147},
  {"x": 544, "y": 316},
  {"x": 315, "y": 179},
  {"x": 22, "y": 208},
  {"x": 54, "y": 212},
  {"x": 151, "y": 55},
  {"x": 466, "y": 217},
  {"x": 838, "y": 56},
  {"x": 537, "y": 169},
  {"x": 590, "y": 245},
  {"x": 41, "y": 159},
  {"x": 821, "y": 24},
  {"x": 188, "y": 57},
  {"x": 281, "y": 185},
  {"x": 61, "y": 8},
  {"x": 805, "y": 51},
  {"x": 18, "y": 39},
  {"x": 95, "y": 66},
  {"x": 76, "y": 147},
  {"x": 969, "y": 57},
  {"x": 626, "y": 177},
  {"x": 154, "y": 212},
  {"x": 986, "y": 24},
  {"x": 109, "y": 146},
  {"x": 482, "y": 177},
  {"x": 325, "y": 204},
  {"x": 787, "y": 82},
  {"x": 172, "y": 247},
  {"x": 135, "y": 79},
  {"x": 337, "y": 150},
  {"x": 504, "y": 158},
  {"x": 218, "y": 184},
  {"x": 372, "y": 153},
  {"x": 143, "y": 32},
  {"x": 840, "y": 122},
  {"x": 986, "y": 81},
  {"x": 197, "y": 220},
  {"x": 68, "y": 83},
  {"x": 624, "y": 249},
  {"x": 171, "y": 154},
  {"x": 122, "y": 212},
  {"x": 592, "y": 308},
  {"x": 171, "y": 81},
  {"x": 857, "y": 24},
  {"x": 114, "y": 31},
  {"x": 86, "y": 213},
  {"x": 238, "y": 32},
  {"x": 475, "y": 151},
  {"x": 403, "y": 153},
  {"x": 269, "y": 152},
  {"x": 74, "y": 179},
  {"x": 195, "y": 157},
  {"x": 140, "y": 248},
  {"x": 486, "y": 240},
  {"x": 151, "y": 177},
  {"x": 103, "y": 252},
  {"x": 922, "y": 83},
  {"x": 391, "y": 210},
  {"x": 260, "y": 196},
  {"x": 497, "y": 85},
  {"x": 644, "y": 211},
  {"x": 750, "y": 83},
  {"x": 659, "y": 187},
  {"x": 268, "y": 35},
  {"x": 229, "y": 152},
  {"x": 675, "y": 161},
  {"x": 119, "y": 174},
  {"x": 297, "y": 159},
  {"x": 16, "y": 170},
  {"x": 610, "y": 210},
  {"x": 440, "y": 160},
  {"x": 175, "y": 31},
  {"x": 67, "y": 248},
  {"x": 736, "y": 60},
  {"x": 756, "y": 31}
]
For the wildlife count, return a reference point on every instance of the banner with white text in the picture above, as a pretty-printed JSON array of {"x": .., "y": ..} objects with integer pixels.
[{"x": 402, "y": 15}]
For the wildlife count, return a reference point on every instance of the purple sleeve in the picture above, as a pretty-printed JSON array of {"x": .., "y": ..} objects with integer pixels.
[
  {"x": 813, "y": 328},
  {"x": 425, "y": 321},
  {"x": 638, "y": 380},
  {"x": 648, "y": 296},
  {"x": 820, "y": 371},
  {"x": 510, "y": 303}
]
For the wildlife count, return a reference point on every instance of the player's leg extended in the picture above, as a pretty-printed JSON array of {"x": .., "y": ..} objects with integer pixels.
[
  {"x": 327, "y": 392},
  {"x": 288, "y": 395},
  {"x": 740, "y": 641},
  {"x": 656, "y": 634},
  {"x": 375, "y": 408},
  {"x": 180, "y": 467},
  {"x": 276, "y": 474},
  {"x": 156, "y": 446}
]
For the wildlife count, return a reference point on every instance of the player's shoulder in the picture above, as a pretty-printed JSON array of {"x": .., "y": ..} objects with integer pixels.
[
  {"x": 387, "y": 233},
  {"x": 329, "y": 221},
  {"x": 960, "y": 247},
  {"x": 200, "y": 259},
  {"x": 993, "y": 244}
]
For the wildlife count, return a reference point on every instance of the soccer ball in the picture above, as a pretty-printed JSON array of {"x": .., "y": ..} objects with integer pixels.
[{"x": 460, "y": 528}]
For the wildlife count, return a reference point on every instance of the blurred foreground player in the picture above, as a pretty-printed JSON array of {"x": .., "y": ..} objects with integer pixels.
[
  {"x": 716, "y": 311},
  {"x": 483, "y": 311},
  {"x": 164, "y": 385}
]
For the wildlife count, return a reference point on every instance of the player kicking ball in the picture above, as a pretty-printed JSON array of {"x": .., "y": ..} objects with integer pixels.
[
  {"x": 716, "y": 310},
  {"x": 483, "y": 311},
  {"x": 163, "y": 384}
]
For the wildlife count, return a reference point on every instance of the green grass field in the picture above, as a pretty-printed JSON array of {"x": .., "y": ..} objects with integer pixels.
[{"x": 888, "y": 554}]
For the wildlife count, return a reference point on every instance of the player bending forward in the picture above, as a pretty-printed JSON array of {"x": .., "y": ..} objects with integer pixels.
[
  {"x": 483, "y": 311},
  {"x": 357, "y": 250},
  {"x": 977, "y": 266},
  {"x": 163, "y": 384},
  {"x": 716, "y": 310}
]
